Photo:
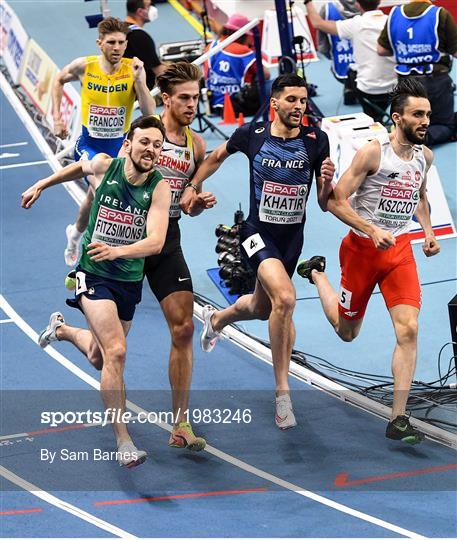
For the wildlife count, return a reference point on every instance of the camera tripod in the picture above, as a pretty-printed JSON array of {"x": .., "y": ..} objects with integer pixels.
[{"x": 203, "y": 122}]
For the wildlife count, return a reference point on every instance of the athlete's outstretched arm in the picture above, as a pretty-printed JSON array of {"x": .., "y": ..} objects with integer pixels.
[
  {"x": 366, "y": 161},
  {"x": 156, "y": 226},
  {"x": 206, "y": 169},
  {"x": 71, "y": 72},
  {"x": 97, "y": 167},
  {"x": 431, "y": 246}
]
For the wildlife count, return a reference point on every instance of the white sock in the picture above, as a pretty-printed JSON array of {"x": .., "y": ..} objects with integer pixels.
[{"x": 75, "y": 235}]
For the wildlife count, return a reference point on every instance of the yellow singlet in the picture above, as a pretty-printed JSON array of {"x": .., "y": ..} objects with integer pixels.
[{"x": 107, "y": 100}]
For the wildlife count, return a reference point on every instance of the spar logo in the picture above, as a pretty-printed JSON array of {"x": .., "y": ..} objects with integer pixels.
[
  {"x": 106, "y": 111},
  {"x": 175, "y": 183},
  {"x": 283, "y": 189},
  {"x": 396, "y": 193},
  {"x": 117, "y": 216}
]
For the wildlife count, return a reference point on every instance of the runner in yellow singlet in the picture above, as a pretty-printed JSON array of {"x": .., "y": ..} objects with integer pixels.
[{"x": 109, "y": 86}]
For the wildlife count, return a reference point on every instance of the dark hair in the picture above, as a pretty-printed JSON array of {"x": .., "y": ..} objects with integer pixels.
[
  {"x": 110, "y": 25},
  {"x": 145, "y": 122},
  {"x": 177, "y": 73},
  {"x": 133, "y": 5},
  {"x": 226, "y": 32},
  {"x": 369, "y": 5},
  {"x": 288, "y": 79},
  {"x": 407, "y": 87}
]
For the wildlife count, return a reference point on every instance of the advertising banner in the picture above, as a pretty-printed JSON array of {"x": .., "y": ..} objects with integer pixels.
[
  {"x": 37, "y": 74},
  {"x": 13, "y": 40}
]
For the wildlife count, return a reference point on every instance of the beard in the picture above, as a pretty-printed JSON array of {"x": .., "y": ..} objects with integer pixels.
[
  {"x": 140, "y": 168},
  {"x": 182, "y": 120},
  {"x": 288, "y": 121},
  {"x": 413, "y": 137}
]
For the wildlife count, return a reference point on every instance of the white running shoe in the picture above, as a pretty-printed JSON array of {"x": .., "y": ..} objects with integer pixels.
[
  {"x": 71, "y": 253},
  {"x": 284, "y": 417},
  {"x": 208, "y": 337},
  {"x": 129, "y": 456},
  {"x": 48, "y": 335}
]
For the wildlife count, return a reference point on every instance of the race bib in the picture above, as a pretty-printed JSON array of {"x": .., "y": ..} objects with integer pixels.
[
  {"x": 176, "y": 185},
  {"x": 253, "y": 244},
  {"x": 81, "y": 286},
  {"x": 282, "y": 203},
  {"x": 106, "y": 122},
  {"x": 396, "y": 205},
  {"x": 118, "y": 228},
  {"x": 345, "y": 298}
]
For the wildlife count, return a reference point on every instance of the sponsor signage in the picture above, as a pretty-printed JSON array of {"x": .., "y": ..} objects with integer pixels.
[
  {"x": 37, "y": 75},
  {"x": 13, "y": 40}
]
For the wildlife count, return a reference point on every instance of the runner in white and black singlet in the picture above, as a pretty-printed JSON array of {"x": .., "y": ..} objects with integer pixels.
[
  {"x": 167, "y": 273},
  {"x": 284, "y": 156}
]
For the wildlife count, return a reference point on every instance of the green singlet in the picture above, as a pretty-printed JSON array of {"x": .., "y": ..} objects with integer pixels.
[{"x": 118, "y": 218}]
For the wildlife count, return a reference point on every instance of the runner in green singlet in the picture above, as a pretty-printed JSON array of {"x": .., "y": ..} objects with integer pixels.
[{"x": 128, "y": 222}]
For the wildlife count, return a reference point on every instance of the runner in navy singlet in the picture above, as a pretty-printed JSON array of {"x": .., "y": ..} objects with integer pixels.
[{"x": 283, "y": 157}]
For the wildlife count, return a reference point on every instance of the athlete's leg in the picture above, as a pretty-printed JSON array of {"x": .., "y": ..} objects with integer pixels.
[
  {"x": 281, "y": 293},
  {"x": 255, "y": 306},
  {"x": 83, "y": 340},
  {"x": 405, "y": 321},
  {"x": 273, "y": 299},
  {"x": 108, "y": 330},
  {"x": 75, "y": 232},
  {"x": 346, "y": 329},
  {"x": 84, "y": 211},
  {"x": 177, "y": 308}
]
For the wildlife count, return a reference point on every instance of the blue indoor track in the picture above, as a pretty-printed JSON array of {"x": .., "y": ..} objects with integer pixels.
[{"x": 334, "y": 475}]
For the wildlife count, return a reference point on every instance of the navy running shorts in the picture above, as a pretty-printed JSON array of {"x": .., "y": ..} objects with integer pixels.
[
  {"x": 125, "y": 294},
  {"x": 259, "y": 243}
]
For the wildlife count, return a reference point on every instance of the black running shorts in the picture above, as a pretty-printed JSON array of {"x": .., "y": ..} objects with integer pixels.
[{"x": 168, "y": 272}]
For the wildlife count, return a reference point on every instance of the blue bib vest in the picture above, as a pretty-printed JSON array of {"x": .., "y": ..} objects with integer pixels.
[
  {"x": 342, "y": 53},
  {"x": 414, "y": 40},
  {"x": 226, "y": 73}
]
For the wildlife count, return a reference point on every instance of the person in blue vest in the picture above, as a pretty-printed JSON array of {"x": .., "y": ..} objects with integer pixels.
[
  {"x": 232, "y": 68},
  {"x": 423, "y": 38},
  {"x": 339, "y": 51},
  {"x": 375, "y": 75}
]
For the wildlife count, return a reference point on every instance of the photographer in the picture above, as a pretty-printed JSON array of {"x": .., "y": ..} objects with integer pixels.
[{"x": 233, "y": 70}]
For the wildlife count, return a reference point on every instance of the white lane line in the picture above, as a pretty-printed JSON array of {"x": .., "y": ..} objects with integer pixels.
[
  {"x": 9, "y": 310},
  {"x": 4, "y": 321},
  {"x": 63, "y": 505},
  {"x": 14, "y": 436},
  {"x": 8, "y": 155},
  {"x": 28, "y": 164},
  {"x": 12, "y": 145}
]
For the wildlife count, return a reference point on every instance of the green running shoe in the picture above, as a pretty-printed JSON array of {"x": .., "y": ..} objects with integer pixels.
[
  {"x": 315, "y": 263},
  {"x": 400, "y": 429}
]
